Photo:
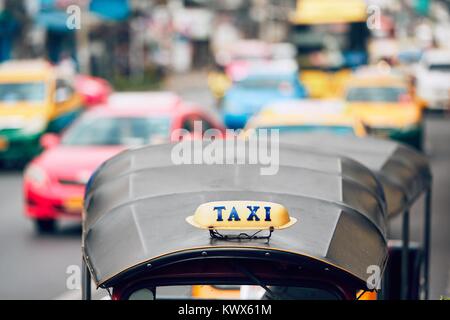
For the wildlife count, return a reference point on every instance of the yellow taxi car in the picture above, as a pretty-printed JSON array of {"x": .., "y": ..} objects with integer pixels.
[
  {"x": 307, "y": 116},
  {"x": 386, "y": 105},
  {"x": 33, "y": 100},
  {"x": 323, "y": 33}
]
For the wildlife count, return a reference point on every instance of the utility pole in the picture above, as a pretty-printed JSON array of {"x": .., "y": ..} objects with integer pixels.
[
  {"x": 259, "y": 14},
  {"x": 82, "y": 37}
]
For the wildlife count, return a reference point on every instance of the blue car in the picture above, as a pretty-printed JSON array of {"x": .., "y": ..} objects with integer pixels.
[{"x": 259, "y": 85}]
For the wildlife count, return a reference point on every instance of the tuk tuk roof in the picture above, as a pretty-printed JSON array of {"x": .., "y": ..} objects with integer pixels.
[
  {"x": 137, "y": 202},
  {"x": 404, "y": 172}
]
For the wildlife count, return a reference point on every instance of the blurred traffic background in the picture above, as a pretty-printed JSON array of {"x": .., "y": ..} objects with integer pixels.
[{"x": 82, "y": 80}]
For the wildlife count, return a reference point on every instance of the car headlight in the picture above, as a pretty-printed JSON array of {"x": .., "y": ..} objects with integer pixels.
[
  {"x": 36, "y": 175},
  {"x": 35, "y": 125}
]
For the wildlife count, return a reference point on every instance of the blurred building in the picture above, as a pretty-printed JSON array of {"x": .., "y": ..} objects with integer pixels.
[{"x": 14, "y": 23}]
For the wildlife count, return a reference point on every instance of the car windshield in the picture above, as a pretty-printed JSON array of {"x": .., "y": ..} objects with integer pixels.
[
  {"x": 235, "y": 292},
  {"x": 440, "y": 67},
  {"x": 265, "y": 83},
  {"x": 376, "y": 94},
  {"x": 110, "y": 131},
  {"x": 329, "y": 46},
  {"x": 22, "y": 92},
  {"x": 344, "y": 130}
]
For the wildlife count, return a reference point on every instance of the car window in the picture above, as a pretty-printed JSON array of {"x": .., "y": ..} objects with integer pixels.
[
  {"x": 22, "y": 92},
  {"x": 241, "y": 292},
  {"x": 127, "y": 131},
  {"x": 376, "y": 94},
  {"x": 206, "y": 125},
  {"x": 340, "y": 130},
  {"x": 189, "y": 121},
  {"x": 188, "y": 124},
  {"x": 263, "y": 83},
  {"x": 439, "y": 67}
]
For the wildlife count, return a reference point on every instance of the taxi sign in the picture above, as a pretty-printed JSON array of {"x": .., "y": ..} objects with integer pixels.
[{"x": 241, "y": 215}]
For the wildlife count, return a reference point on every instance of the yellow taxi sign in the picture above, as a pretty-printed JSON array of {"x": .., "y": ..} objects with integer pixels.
[{"x": 241, "y": 215}]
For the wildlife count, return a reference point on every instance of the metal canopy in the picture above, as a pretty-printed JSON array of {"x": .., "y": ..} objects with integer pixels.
[
  {"x": 404, "y": 173},
  {"x": 137, "y": 202}
]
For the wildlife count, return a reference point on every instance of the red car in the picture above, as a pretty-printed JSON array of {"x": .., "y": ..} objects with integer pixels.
[
  {"x": 54, "y": 181},
  {"x": 93, "y": 90}
]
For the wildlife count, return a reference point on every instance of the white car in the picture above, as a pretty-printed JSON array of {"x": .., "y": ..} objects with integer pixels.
[{"x": 433, "y": 79}]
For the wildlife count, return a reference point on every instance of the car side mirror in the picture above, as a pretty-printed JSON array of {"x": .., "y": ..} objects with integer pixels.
[
  {"x": 62, "y": 94},
  {"x": 49, "y": 140},
  {"x": 93, "y": 90}
]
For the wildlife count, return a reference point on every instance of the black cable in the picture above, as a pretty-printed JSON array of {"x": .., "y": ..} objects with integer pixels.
[
  {"x": 361, "y": 294},
  {"x": 249, "y": 274},
  {"x": 242, "y": 236}
]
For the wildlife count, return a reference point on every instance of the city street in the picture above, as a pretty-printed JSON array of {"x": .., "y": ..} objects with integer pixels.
[
  {"x": 34, "y": 267},
  {"x": 42, "y": 261},
  {"x": 346, "y": 83}
]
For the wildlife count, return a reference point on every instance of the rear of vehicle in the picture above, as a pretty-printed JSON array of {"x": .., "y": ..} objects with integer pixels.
[
  {"x": 285, "y": 239},
  {"x": 243, "y": 279},
  {"x": 255, "y": 85}
]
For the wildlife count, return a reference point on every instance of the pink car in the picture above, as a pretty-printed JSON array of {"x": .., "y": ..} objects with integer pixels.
[
  {"x": 93, "y": 90},
  {"x": 54, "y": 181}
]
